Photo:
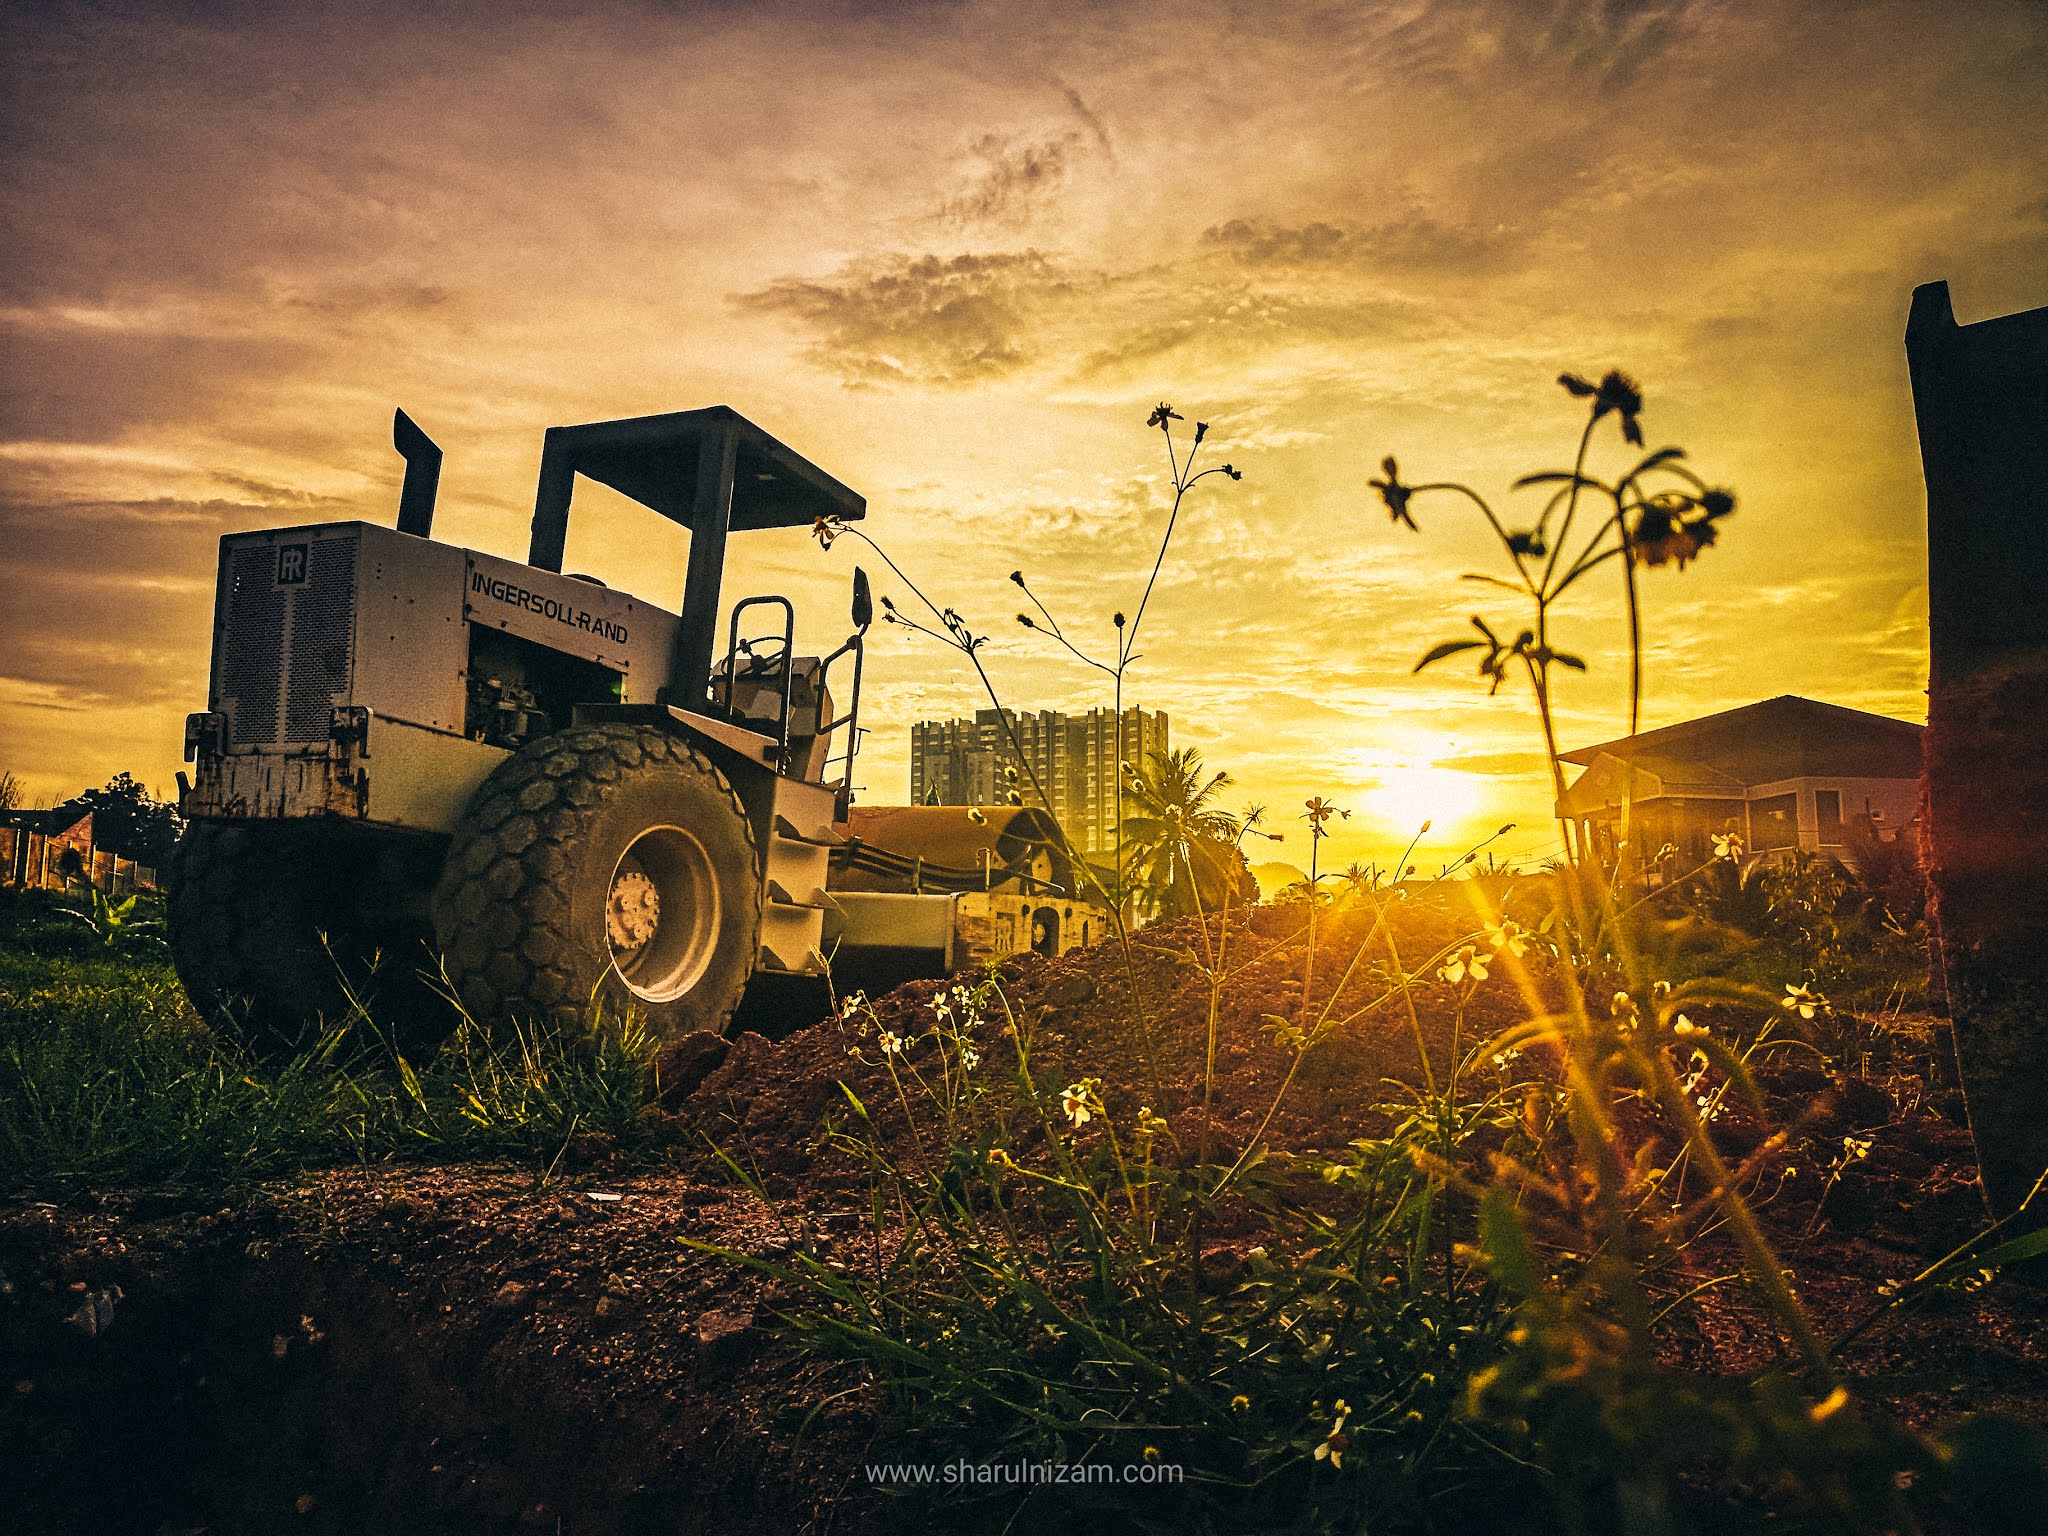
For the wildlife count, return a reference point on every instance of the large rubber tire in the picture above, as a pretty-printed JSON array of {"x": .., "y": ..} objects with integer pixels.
[
  {"x": 274, "y": 927},
  {"x": 559, "y": 841}
]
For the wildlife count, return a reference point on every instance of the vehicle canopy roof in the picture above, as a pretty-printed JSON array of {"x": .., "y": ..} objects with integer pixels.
[{"x": 655, "y": 460}]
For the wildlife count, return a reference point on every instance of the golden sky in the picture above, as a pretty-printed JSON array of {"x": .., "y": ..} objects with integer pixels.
[{"x": 955, "y": 253}]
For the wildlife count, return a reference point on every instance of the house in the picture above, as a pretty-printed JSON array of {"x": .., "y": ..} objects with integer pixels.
[
  {"x": 44, "y": 849},
  {"x": 1786, "y": 773}
]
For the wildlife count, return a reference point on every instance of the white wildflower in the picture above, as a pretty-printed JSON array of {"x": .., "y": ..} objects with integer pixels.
[
  {"x": 1466, "y": 962},
  {"x": 1082, "y": 1102},
  {"x": 1332, "y": 1448},
  {"x": 1803, "y": 1000}
]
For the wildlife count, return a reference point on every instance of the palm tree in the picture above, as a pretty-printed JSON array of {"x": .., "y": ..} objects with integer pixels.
[{"x": 1179, "y": 851}]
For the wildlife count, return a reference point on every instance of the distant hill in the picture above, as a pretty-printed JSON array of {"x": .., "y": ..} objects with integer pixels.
[{"x": 1275, "y": 878}]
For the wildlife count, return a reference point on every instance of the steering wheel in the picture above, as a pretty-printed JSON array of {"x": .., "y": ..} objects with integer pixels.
[{"x": 764, "y": 663}]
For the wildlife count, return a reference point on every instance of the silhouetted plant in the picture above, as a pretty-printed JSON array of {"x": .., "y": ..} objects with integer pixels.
[
  {"x": 948, "y": 627},
  {"x": 1567, "y": 1223},
  {"x": 1654, "y": 513},
  {"x": 1184, "y": 476},
  {"x": 1458, "y": 1312},
  {"x": 1178, "y": 848}
]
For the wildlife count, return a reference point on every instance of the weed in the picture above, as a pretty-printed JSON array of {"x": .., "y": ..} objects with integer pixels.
[
  {"x": 107, "y": 1074},
  {"x": 1043, "y": 1279},
  {"x": 113, "y": 922},
  {"x": 1612, "y": 1426}
]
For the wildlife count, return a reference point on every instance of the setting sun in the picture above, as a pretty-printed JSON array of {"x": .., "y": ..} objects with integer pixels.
[{"x": 1402, "y": 791}]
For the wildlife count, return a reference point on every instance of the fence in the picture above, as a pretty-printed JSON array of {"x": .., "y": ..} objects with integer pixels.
[{"x": 40, "y": 861}]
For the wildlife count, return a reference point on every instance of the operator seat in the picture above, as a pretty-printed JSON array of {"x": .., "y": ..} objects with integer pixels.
[{"x": 757, "y": 694}]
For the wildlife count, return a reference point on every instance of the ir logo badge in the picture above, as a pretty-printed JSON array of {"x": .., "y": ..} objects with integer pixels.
[{"x": 291, "y": 565}]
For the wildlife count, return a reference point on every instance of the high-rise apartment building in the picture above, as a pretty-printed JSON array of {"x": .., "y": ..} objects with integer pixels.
[{"x": 1072, "y": 758}]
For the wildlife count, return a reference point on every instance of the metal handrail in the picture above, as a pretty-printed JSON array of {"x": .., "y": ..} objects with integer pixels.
[
  {"x": 855, "y": 644},
  {"x": 786, "y": 663}
]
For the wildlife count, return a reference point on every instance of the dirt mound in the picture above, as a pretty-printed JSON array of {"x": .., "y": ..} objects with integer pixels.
[
  {"x": 1911, "y": 1186},
  {"x": 1139, "y": 1020}
]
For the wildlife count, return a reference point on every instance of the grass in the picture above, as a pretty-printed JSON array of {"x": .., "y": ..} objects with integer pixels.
[
  {"x": 1050, "y": 1279},
  {"x": 107, "y": 1075}
]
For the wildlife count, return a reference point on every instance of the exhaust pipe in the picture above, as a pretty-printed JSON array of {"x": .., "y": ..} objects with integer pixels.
[{"x": 422, "y": 475}]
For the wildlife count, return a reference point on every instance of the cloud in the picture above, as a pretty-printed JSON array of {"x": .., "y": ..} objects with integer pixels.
[
  {"x": 1093, "y": 123},
  {"x": 97, "y": 385},
  {"x": 37, "y": 693},
  {"x": 947, "y": 320},
  {"x": 1510, "y": 764},
  {"x": 974, "y": 318},
  {"x": 1412, "y": 243},
  {"x": 111, "y": 602},
  {"x": 1011, "y": 179},
  {"x": 1603, "y": 44}
]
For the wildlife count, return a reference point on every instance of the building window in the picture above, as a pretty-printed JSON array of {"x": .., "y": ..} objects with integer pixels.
[
  {"x": 1774, "y": 823},
  {"x": 1827, "y": 809}
]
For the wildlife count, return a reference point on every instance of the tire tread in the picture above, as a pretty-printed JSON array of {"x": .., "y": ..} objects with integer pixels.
[{"x": 504, "y": 879}]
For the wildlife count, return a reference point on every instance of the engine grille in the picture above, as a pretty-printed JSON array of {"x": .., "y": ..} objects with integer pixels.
[
  {"x": 252, "y": 647},
  {"x": 323, "y": 640},
  {"x": 286, "y": 652}
]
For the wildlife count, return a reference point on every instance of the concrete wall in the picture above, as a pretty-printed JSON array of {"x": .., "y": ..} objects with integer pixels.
[{"x": 1892, "y": 802}]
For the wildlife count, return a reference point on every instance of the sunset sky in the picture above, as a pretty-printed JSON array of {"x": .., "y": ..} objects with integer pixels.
[{"x": 955, "y": 253}]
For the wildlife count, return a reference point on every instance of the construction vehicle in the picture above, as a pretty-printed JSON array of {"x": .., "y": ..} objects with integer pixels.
[{"x": 428, "y": 772}]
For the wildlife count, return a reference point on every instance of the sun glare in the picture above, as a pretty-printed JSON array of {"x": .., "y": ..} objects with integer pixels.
[{"x": 1402, "y": 794}]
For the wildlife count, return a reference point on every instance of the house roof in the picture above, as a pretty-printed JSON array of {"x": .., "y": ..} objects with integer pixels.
[
  {"x": 1609, "y": 779},
  {"x": 1783, "y": 738},
  {"x": 51, "y": 822}
]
